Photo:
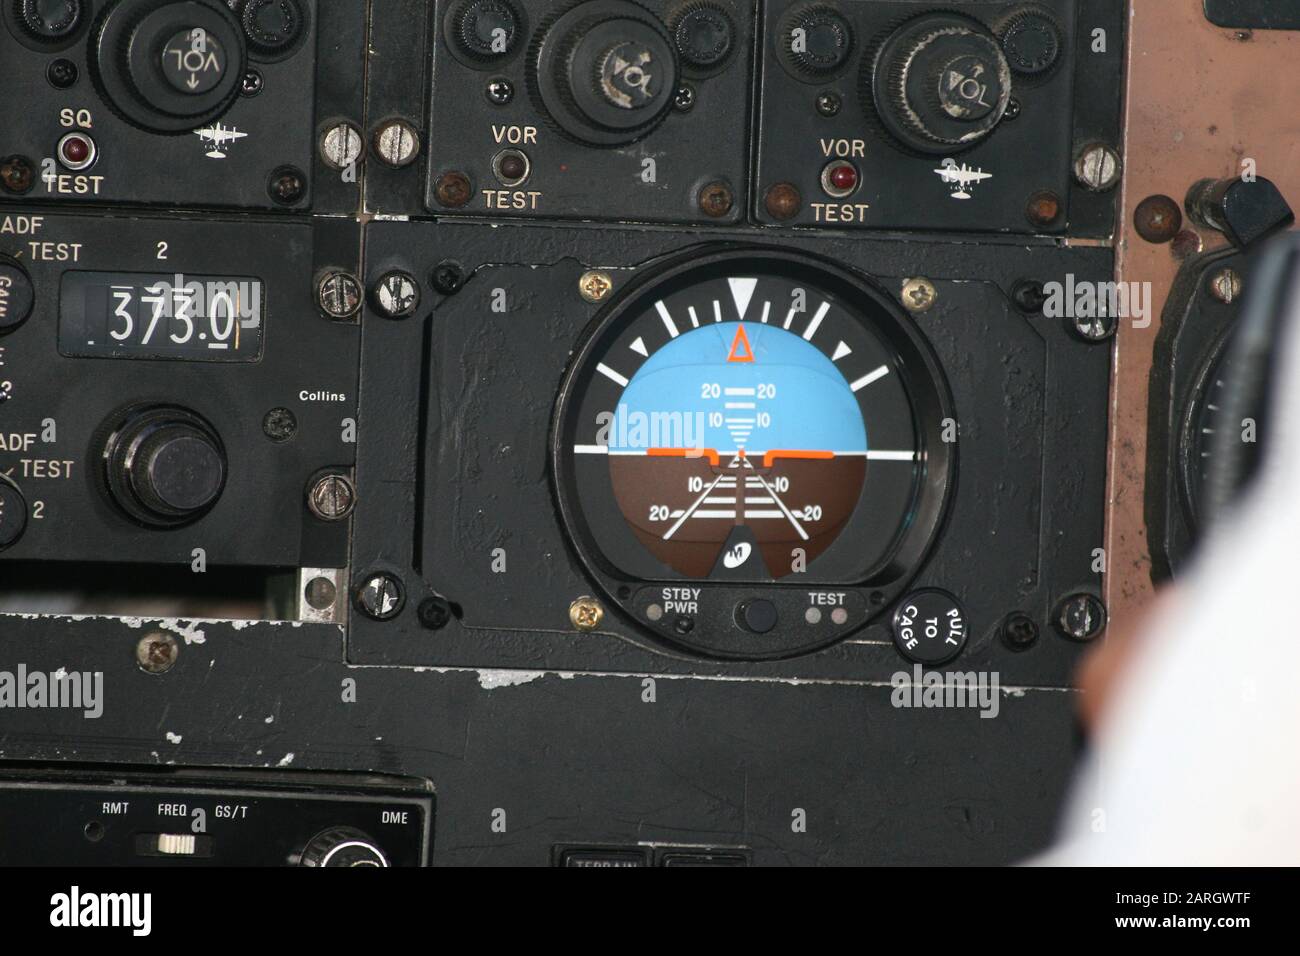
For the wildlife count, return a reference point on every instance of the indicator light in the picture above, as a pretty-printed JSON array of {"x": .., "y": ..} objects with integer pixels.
[
  {"x": 77, "y": 151},
  {"x": 839, "y": 178},
  {"x": 511, "y": 167}
]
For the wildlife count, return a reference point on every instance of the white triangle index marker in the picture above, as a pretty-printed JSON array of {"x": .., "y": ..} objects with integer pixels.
[
  {"x": 742, "y": 290},
  {"x": 841, "y": 350},
  {"x": 639, "y": 346}
]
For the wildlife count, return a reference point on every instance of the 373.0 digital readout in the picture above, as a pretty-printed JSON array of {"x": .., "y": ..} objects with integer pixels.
[{"x": 156, "y": 316}]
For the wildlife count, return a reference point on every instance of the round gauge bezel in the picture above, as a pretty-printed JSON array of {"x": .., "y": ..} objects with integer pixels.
[{"x": 926, "y": 391}]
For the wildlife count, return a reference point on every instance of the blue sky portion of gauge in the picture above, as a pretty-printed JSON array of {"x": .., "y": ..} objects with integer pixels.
[{"x": 747, "y": 385}]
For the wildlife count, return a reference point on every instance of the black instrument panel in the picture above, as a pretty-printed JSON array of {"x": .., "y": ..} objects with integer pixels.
[{"x": 596, "y": 415}]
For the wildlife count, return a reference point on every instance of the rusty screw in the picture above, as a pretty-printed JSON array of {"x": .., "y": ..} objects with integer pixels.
[
  {"x": 715, "y": 200},
  {"x": 586, "y": 613},
  {"x": 331, "y": 498},
  {"x": 17, "y": 174},
  {"x": 595, "y": 286},
  {"x": 1186, "y": 244},
  {"x": 339, "y": 295},
  {"x": 782, "y": 201},
  {"x": 1097, "y": 168},
  {"x": 1225, "y": 285},
  {"x": 156, "y": 652},
  {"x": 452, "y": 190},
  {"x": 919, "y": 294},
  {"x": 1043, "y": 208},
  {"x": 397, "y": 143},
  {"x": 1158, "y": 219}
]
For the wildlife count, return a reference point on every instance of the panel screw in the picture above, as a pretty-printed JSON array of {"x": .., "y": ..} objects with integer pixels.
[
  {"x": 783, "y": 201},
  {"x": 715, "y": 200},
  {"x": 1186, "y": 244},
  {"x": 396, "y": 143},
  {"x": 1158, "y": 218},
  {"x": 1029, "y": 296},
  {"x": 1012, "y": 112},
  {"x": 1043, "y": 208},
  {"x": 452, "y": 190},
  {"x": 1097, "y": 167},
  {"x": 1081, "y": 617},
  {"x": 500, "y": 91},
  {"x": 1019, "y": 631},
  {"x": 434, "y": 613},
  {"x": 828, "y": 103},
  {"x": 919, "y": 294},
  {"x": 684, "y": 98},
  {"x": 17, "y": 174},
  {"x": 380, "y": 597},
  {"x": 287, "y": 185},
  {"x": 447, "y": 277},
  {"x": 61, "y": 73},
  {"x": 156, "y": 652},
  {"x": 594, "y": 286},
  {"x": 1094, "y": 328},
  {"x": 279, "y": 424},
  {"x": 586, "y": 614},
  {"x": 1226, "y": 286},
  {"x": 331, "y": 498},
  {"x": 341, "y": 146},
  {"x": 339, "y": 295},
  {"x": 251, "y": 84},
  {"x": 320, "y": 593},
  {"x": 396, "y": 295}
]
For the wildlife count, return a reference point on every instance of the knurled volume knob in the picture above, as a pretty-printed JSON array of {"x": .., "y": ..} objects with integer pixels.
[
  {"x": 342, "y": 846},
  {"x": 164, "y": 466},
  {"x": 273, "y": 27},
  {"x": 606, "y": 72},
  {"x": 170, "y": 67},
  {"x": 816, "y": 41},
  {"x": 1032, "y": 42},
  {"x": 50, "y": 20},
  {"x": 940, "y": 83},
  {"x": 704, "y": 35},
  {"x": 486, "y": 30}
]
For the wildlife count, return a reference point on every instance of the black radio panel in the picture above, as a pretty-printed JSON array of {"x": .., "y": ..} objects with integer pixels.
[
  {"x": 175, "y": 384},
  {"x": 196, "y": 103},
  {"x": 275, "y": 818}
]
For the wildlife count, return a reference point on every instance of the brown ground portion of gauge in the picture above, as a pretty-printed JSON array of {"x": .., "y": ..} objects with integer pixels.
[{"x": 684, "y": 509}]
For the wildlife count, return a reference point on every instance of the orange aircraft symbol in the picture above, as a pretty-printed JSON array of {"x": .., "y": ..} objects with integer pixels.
[{"x": 740, "y": 350}]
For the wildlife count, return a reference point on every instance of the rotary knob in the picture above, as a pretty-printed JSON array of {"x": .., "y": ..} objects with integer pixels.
[
  {"x": 940, "y": 83},
  {"x": 164, "y": 466},
  {"x": 607, "y": 72},
  {"x": 704, "y": 35},
  {"x": 486, "y": 30},
  {"x": 273, "y": 27},
  {"x": 342, "y": 846},
  {"x": 1032, "y": 42},
  {"x": 50, "y": 20},
  {"x": 173, "y": 66},
  {"x": 816, "y": 41}
]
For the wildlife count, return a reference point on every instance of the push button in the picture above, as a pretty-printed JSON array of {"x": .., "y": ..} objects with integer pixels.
[{"x": 758, "y": 615}]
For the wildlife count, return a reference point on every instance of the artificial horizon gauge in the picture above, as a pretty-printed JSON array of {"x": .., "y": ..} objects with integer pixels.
[{"x": 748, "y": 451}]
